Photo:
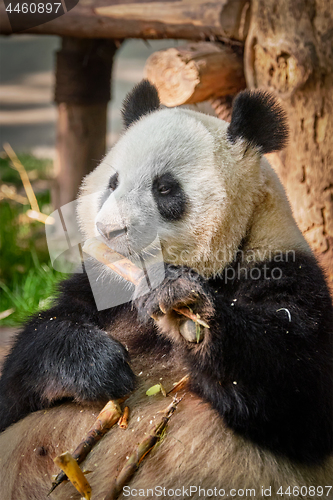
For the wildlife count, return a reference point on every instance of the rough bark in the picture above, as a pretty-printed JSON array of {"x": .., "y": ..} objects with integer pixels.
[
  {"x": 196, "y": 72},
  {"x": 289, "y": 50},
  {"x": 118, "y": 19}
]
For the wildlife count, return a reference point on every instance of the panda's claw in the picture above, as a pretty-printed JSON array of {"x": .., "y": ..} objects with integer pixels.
[
  {"x": 180, "y": 288},
  {"x": 163, "y": 309}
]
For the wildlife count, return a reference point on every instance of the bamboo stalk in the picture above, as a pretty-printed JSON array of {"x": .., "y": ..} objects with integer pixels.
[
  {"x": 24, "y": 176},
  {"x": 115, "y": 261},
  {"x": 109, "y": 416},
  {"x": 191, "y": 315},
  {"x": 34, "y": 213},
  {"x": 123, "y": 421},
  {"x": 179, "y": 385},
  {"x": 10, "y": 192},
  {"x": 141, "y": 452},
  {"x": 72, "y": 470}
]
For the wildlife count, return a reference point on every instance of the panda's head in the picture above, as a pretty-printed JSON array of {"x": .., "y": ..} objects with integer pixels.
[{"x": 191, "y": 180}]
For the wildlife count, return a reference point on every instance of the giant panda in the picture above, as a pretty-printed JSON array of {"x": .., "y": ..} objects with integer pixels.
[{"x": 257, "y": 417}]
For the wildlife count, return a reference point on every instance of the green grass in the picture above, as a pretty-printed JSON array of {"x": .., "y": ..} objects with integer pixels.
[
  {"x": 27, "y": 278},
  {"x": 40, "y": 169}
]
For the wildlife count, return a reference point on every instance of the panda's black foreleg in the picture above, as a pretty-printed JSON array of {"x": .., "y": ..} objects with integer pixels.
[
  {"x": 63, "y": 353},
  {"x": 265, "y": 363}
]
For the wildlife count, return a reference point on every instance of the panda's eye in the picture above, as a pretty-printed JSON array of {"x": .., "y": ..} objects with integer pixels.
[
  {"x": 165, "y": 184},
  {"x": 164, "y": 190},
  {"x": 170, "y": 197},
  {"x": 113, "y": 182}
]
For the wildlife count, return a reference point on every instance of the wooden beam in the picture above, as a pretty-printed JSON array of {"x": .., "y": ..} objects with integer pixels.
[
  {"x": 196, "y": 72},
  {"x": 195, "y": 12},
  {"x": 185, "y": 19}
]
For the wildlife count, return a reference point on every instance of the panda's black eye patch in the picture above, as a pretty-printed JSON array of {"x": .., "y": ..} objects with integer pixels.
[
  {"x": 114, "y": 181},
  {"x": 170, "y": 197},
  {"x": 112, "y": 185}
]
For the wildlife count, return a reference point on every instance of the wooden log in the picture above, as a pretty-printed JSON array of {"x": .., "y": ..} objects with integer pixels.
[
  {"x": 185, "y": 19},
  {"x": 83, "y": 81},
  {"x": 223, "y": 107},
  {"x": 195, "y": 72}
]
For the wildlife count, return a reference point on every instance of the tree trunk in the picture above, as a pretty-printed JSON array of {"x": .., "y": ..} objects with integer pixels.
[{"x": 289, "y": 50}]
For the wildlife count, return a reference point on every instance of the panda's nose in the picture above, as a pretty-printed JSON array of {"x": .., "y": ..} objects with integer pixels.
[{"x": 110, "y": 231}]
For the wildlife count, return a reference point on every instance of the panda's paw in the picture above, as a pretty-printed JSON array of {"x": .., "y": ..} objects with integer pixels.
[
  {"x": 111, "y": 375},
  {"x": 182, "y": 288},
  {"x": 97, "y": 369}
]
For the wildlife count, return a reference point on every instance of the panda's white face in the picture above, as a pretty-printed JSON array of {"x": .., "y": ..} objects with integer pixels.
[
  {"x": 159, "y": 180},
  {"x": 192, "y": 182},
  {"x": 172, "y": 176}
]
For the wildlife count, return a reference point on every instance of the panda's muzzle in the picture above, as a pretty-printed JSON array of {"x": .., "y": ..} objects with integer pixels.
[{"x": 110, "y": 231}]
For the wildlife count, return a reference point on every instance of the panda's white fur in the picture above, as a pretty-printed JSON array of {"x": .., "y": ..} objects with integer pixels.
[
  {"x": 232, "y": 192},
  {"x": 222, "y": 174}
]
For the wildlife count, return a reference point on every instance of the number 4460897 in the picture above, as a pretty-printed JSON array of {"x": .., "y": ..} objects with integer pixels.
[
  {"x": 33, "y": 8},
  {"x": 310, "y": 491}
]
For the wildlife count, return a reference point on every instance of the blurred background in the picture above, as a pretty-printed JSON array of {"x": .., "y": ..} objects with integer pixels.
[
  {"x": 28, "y": 114},
  {"x": 28, "y": 124}
]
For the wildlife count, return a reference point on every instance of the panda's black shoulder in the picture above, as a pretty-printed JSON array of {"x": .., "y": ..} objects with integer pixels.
[{"x": 76, "y": 285}]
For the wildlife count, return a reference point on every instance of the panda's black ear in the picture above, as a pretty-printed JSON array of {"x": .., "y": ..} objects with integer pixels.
[
  {"x": 143, "y": 99},
  {"x": 258, "y": 118}
]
